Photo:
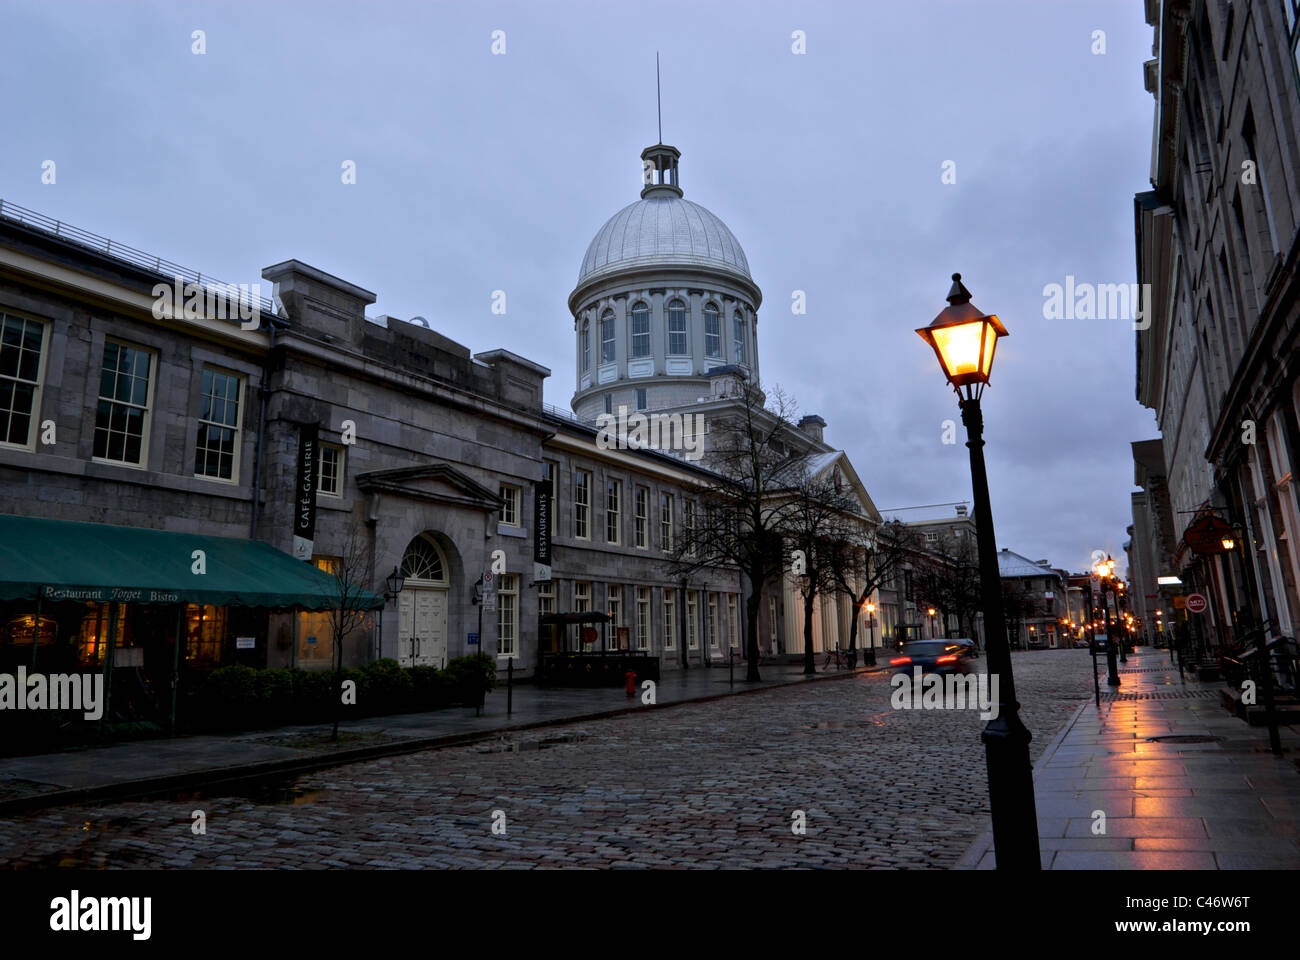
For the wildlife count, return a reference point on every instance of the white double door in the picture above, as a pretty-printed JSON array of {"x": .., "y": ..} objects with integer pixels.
[{"x": 422, "y": 627}]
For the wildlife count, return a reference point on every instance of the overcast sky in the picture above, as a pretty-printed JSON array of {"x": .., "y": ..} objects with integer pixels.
[{"x": 478, "y": 172}]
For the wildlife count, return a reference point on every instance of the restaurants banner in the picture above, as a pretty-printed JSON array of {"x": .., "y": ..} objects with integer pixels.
[
  {"x": 304, "y": 509},
  {"x": 541, "y": 533}
]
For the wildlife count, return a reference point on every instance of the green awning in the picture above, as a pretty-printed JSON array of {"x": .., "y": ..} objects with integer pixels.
[{"x": 63, "y": 560}]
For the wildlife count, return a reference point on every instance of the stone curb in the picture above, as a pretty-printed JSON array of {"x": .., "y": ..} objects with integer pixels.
[
  {"x": 267, "y": 769},
  {"x": 984, "y": 842}
]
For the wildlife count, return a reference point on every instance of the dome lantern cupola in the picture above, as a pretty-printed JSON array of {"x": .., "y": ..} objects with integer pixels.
[{"x": 659, "y": 171}]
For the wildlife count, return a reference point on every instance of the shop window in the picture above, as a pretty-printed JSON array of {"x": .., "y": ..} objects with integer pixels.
[
  {"x": 670, "y": 619},
  {"x": 316, "y": 629},
  {"x": 92, "y": 638},
  {"x": 23, "y": 632},
  {"x": 205, "y": 632}
]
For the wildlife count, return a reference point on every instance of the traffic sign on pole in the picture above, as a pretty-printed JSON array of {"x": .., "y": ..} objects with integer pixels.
[{"x": 1196, "y": 602}]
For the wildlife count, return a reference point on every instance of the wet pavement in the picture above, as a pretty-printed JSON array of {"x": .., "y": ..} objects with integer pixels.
[{"x": 1163, "y": 776}]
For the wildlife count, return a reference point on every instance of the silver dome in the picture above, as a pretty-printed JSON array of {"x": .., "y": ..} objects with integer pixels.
[{"x": 664, "y": 230}]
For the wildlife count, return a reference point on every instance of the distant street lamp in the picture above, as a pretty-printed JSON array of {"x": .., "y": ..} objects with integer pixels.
[
  {"x": 930, "y": 613},
  {"x": 871, "y": 626},
  {"x": 964, "y": 340},
  {"x": 1103, "y": 571}
]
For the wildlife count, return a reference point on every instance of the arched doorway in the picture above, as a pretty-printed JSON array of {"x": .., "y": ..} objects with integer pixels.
[{"x": 422, "y": 605}]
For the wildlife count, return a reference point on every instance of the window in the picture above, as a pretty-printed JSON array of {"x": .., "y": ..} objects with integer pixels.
[
  {"x": 771, "y": 626},
  {"x": 546, "y": 597},
  {"x": 582, "y": 504},
  {"x": 508, "y": 615},
  {"x": 509, "y": 505},
  {"x": 330, "y": 481},
  {"x": 688, "y": 524},
  {"x": 738, "y": 338},
  {"x": 550, "y": 484},
  {"x": 692, "y": 615},
  {"x": 712, "y": 331},
  {"x": 642, "y": 517},
  {"x": 216, "y": 449},
  {"x": 670, "y": 618},
  {"x": 641, "y": 398},
  {"x": 609, "y": 403},
  {"x": 677, "y": 345},
  {"x": 607, "y": 337},
  {"x": 205, "y": 629},
  {"x": 613, "y": 499},
  {"x": 614, "y": 607},
  {"x": 643, "y": 618},
  {"x": 733, "y": 621},
  {"x": 666, "y": 521},
  {"x": 125, "y": 395},
  {"x": 640, "y": 330},
  {"x": 581, "y": 596},
  {"x": 586, "y": 345},
  {"x": 711, "y": 624},
  {"x": 315, "y": 631},
  {"x": 22, "y": 347},
  {"x": 92, "y": 639}
]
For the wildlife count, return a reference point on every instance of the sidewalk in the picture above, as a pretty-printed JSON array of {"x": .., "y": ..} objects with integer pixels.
[
  {"x": 1223, "y": 803},
  {"x": 148, "y": 766}
]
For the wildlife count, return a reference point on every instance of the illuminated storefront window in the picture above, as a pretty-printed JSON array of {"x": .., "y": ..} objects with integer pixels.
[
  {"x": 92, "y": 639},
  {"x": 205, "y": 631}
]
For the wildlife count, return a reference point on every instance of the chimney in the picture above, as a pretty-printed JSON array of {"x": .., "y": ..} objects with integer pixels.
[
  {"x": 321, "y": 305},
  {"x": 813, "y": 425},
  {"x": 961, "y": 509}
]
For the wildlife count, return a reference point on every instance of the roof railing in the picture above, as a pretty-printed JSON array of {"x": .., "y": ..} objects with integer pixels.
[{"x": 120, "y": 251}]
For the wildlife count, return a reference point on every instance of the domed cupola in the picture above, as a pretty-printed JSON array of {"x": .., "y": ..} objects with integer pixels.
[{"x": 663, "y": 296}]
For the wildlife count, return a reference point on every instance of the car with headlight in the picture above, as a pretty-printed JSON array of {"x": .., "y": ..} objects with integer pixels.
[{"x": 935, "y": 656}]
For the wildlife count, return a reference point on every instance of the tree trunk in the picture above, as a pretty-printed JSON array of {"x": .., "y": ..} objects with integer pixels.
[
  {"x": 752, "y": 604},
  {"x": 809, "y": 663}
]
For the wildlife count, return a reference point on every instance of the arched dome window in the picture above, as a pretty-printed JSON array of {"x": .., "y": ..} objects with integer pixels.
[
  {"x": 712, "y": 331},
  {"x": 422, "y": 561},
  {"x": 738, "y": 337},
  {"x": 677, "y": 340},
  {"x": 607, "y": 337},
  {"x": 586, "y": 345},
  {"x": 640, "y": 329}
]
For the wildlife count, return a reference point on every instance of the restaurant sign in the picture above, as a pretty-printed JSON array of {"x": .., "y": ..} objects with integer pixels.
[
  {"x": 110, "y": 595},
  {"x": 304, "y": 504},
  {"x": 542, "y": 504}
]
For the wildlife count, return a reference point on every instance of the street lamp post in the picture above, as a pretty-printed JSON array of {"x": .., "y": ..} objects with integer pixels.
[
  {"x": 871, "y": 626},
  {"x": 1112, "y": 668},
  {"x": 930, "y": 614},
  {"x": 393, "y": 584},
  {"x": 964, "y": 341}
]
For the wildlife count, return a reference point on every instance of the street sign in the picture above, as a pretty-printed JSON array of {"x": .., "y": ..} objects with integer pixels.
[
  {"x": 473, "y": 639},
  {"x": 1196, "y": 602},
  {"x": 1180, "y": 603}
]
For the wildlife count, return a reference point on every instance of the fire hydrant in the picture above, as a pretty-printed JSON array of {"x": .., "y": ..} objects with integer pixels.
[{"x": 631, "y": 683}]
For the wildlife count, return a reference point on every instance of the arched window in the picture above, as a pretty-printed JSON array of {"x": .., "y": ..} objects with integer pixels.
[
  {"x": 677, "y": 343},
  {"x": 738, "y": 338},
  {"x": 586, "y": 345},
  {"x": 640, "y": 330},
  {"x": 423, "y": 561},
  {"x": 712, "y": 331},
  {"x": 607, "y": 337}
]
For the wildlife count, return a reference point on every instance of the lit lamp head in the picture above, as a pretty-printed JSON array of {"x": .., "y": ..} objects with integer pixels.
[
  {"x": 871, "y": 608},
  {"x": 964, "y": 340},
  {"x": 1229, "y": 543}
]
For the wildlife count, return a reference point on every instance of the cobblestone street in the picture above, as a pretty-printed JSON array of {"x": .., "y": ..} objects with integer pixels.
[{"x": 711, "y": 785}]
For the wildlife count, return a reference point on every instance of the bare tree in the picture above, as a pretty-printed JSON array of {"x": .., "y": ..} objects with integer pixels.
[
  {"x": 866, "y": 561},
  {"x": 822, "y": 520},
  {"x": 739, "y": 522},
  {"x": 351, "y": 590}
]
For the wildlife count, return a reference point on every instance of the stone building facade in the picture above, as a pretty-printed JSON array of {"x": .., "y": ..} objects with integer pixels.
[{"x": 1218, "y": 359}]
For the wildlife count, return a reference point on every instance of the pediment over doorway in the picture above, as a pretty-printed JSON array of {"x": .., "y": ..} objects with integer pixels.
[{"x": 432, "y": 482}]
